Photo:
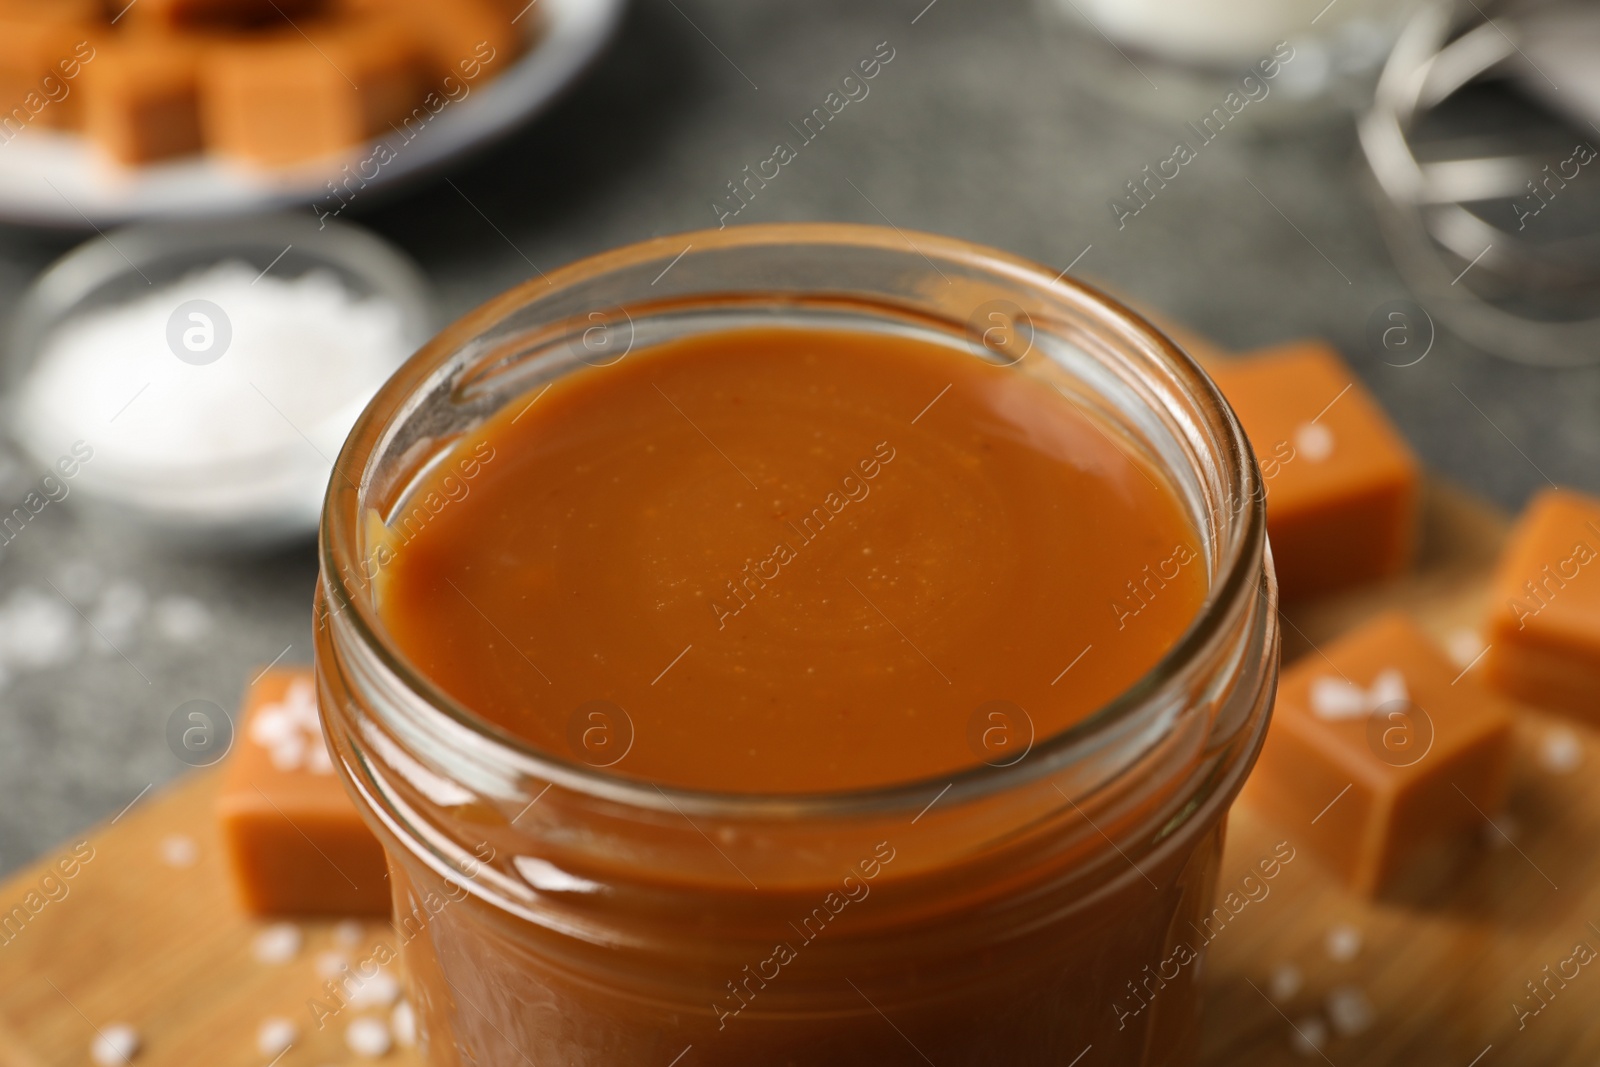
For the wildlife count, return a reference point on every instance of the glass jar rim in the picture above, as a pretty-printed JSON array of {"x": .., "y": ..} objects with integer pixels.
[{"x": 340, "y": 539}]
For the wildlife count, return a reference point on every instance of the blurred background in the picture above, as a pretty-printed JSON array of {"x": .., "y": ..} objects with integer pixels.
[{"x": 1313, "y": 200}]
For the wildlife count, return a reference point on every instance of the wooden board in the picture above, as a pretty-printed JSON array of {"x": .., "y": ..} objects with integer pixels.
[
  {"x": 1442, "y": 973},
  {"x": 138, "y": 940},
  {"x": 162, "y": 947}
]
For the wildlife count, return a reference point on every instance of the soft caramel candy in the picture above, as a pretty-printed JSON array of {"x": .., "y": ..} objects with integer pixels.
[
  {"x": 294, "y": 841},
  {"x": 42, "y": 54},
  {"x": 1544, "y": 624},
  {"x": 1380, "y": 756},
  {"x": 294, "y": 98},
  {"x": 79, "y": 11},
  {"x": 468, "y": 40},
  {"x": 173, "y": 14},
  {"x": 141, "y": 98},
  {"x": 1342, "y": 486}
]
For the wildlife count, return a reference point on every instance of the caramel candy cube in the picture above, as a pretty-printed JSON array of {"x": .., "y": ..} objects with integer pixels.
[
  {"x": 42, "y": 54},
  {"x": 296, "y": 845},
  {"x": 1342, "y": 486},
  {"x": 291, "y": 98},
  {"x": 79, "y": 11},
  {"x": 1381, "y": 755},
  {"x": 1543, "y": 631},
  {"x": 469, "y": 41},
  {"x": 141, "y": 98},
  {"x": 176, "y": 14}
]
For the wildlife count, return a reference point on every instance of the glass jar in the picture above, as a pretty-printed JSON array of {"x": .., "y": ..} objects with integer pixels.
[{"x": 554, "y": 912}]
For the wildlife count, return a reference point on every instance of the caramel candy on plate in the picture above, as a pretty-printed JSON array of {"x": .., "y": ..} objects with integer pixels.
[
  {"x": 1382, "y": 755},
  {"x": 175, "y": 14},
  {"x": 1342, "y": 486},
  {"x": 42, "y": 53},
  {"x": 294, "y": 841},
  {"x": 1543, "y": 631},
  {"x": 141, "y": 97},
  {"x": 471, "y": 41},
  {"x": 295, "y": 98}
]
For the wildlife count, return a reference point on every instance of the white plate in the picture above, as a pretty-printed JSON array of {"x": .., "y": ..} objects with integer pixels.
[{"x": 52, "y": 178}]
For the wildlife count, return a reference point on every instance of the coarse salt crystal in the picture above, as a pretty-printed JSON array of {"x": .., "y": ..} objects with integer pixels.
[
  {"x": 291, "y": 731},
  {"x": 1314, "y": 441},
  {"x": 276, "y": 1036},
  {"x": 183, "y": 620},
  {"x": 271, "y": 726},
  {"x": 379, "y": 991},
  {"x": 1389, "y": 687},
  {"x": 1338, "y": 698},
  {"x": 348, "y": 933},
  {"x": 115, "y": 1045},
  {"x": 37, "y": 630},
  {"x": 178, "y": 850},
  {"x": 403, "y": 1020},
  {"x": 1560, "y": 751},
  {"x": 119, "y": 611},
  {"x": 1335, "y": 698},
  {"x": 300, "y": 703},
  {"x": 318, "y": 761},
  {"x": 1310, "y": 1034},
  {"x": 1463, "y": 647},
  {"x": 368, "y": 1037},
  {"x": 331, "y": 964},
  {"x": 278, "y": 943},
  {"x": 288, "y": 754},
  {"x": 1349, "y": 1010},
  {"x": 1343, "y": 942},
  {"x": 1286, "y": 981}
]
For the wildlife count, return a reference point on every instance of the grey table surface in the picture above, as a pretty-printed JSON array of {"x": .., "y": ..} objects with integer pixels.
[{"x": 979, "y": 128}]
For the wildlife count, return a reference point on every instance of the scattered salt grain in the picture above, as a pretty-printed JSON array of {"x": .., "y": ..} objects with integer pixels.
[
  {"x": 331, "y": 964},
  {"x": 115, "y": 1045},
  {"x": 1560, "y": 751},
  {"x": 276, "y": 1036},
  {"x": 1388, "y": 687},
  {"x": 1463, "y": 646},
  {"x": 348, "y": 933},
  {"x": 1349, "y": 1010},
  {"x": 37, "y": 630},
  {"x": 1313, "y": 441},
  {"x": 179, "y": 851},
  {"x": 1286, "y": 981},
  {"x": 1343, "y": 942},
  {"x": 379, "y": 991},
  {"x": 369, "y": 1037},
  {"x": 291, "y": 731},
  {"x": 1310, "y": 1034},
  {"x": 289, "y": 754},
  {"x": 404, "y": 1023},
  {"x": 1338, "y": 698},
  {"x": 183, "y": 620},
  {"x": 278, "y": 943},
  {"x": 119, "y": 611},
  {"x": 318, "y": 761},
  {"x": 271, "y": 727}
]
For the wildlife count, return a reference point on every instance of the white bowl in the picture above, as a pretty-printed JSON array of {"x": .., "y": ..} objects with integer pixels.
[
  {"x": 57, "y": 179},
  {"x": 246, "y": 497}
]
